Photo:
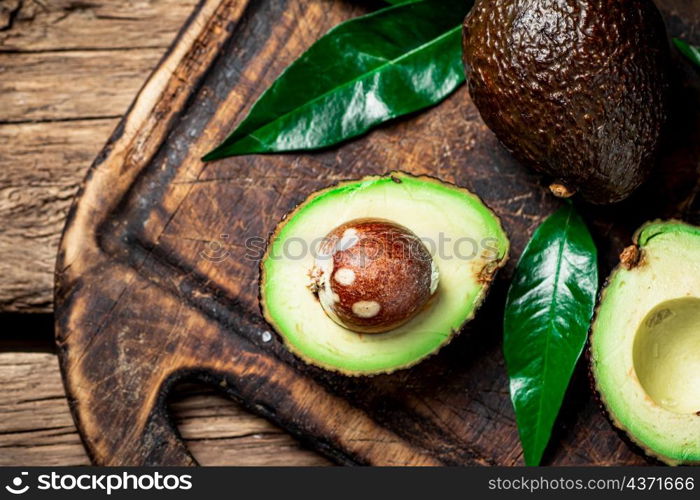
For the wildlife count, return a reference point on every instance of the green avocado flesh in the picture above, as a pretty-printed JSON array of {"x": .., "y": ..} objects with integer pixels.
[
  {"x": 645, "y": 344},
  {"x": 427, "y": 207}
]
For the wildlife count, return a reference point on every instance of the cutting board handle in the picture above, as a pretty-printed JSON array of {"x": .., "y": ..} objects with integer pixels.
[{"x": 116, "y": 373}]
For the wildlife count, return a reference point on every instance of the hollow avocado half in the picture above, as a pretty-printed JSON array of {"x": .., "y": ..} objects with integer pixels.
[
  {"x": 467, "y": 243},
  {"x": 645, "y": 343}
]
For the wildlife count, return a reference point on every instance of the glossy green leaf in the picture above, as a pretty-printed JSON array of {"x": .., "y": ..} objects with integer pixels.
[
  {"x": 690, "y": 51},
  {"x": 363, "y": 72},
  {"x": 548, "y": 313}
]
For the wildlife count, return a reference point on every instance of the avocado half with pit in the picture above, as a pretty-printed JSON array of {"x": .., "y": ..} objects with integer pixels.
[
  {"x": 645, "y": 343},
  {"x": 373, "y": 275}
]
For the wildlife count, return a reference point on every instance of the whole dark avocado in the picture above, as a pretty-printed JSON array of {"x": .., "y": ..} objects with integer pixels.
[{"x": 576, "y": 89}]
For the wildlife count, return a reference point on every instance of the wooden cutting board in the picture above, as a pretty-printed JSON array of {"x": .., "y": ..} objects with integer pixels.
[{"x": 155, "y": 283}]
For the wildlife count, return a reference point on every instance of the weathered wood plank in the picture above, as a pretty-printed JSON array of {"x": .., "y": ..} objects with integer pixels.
[
  {"x": 36, "y": 427},
  {"x": 34, "y": 25},
  {"x": 42, "y": 165},
  {"x": 72, "y": 85},
  {"x": 76, "y": 65}
]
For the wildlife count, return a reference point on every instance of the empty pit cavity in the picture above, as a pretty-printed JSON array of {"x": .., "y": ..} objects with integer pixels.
[{"x": 667, "y": 355}]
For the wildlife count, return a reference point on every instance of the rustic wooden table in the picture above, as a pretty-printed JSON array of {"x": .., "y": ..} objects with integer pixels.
[{"x": 68, "y": 71}]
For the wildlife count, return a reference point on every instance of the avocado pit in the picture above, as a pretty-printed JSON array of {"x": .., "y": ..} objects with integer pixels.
[
  {"x": 666, "y": 355},
  {"x": 373, "y": 275}
]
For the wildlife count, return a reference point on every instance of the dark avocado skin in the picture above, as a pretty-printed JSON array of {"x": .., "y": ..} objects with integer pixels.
[{"x": 576, "y": 89}]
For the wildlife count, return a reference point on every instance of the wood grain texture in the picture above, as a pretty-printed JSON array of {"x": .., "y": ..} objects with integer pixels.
[
  {"x": 68, "y": 71},
  {"x": 72, "y": 85},
  {"x": 41, "y": 168},
  {"x": 62, "y": 25},
  {"x": 36, "y": 428},
  {"x": 145, "y": 299}
]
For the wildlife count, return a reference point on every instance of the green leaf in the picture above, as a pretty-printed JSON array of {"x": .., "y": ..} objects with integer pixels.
[
  {"x": 548, "y": 313},
  {"x": 690, "y": 51},
  {"x": 361, "y": 73}
]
